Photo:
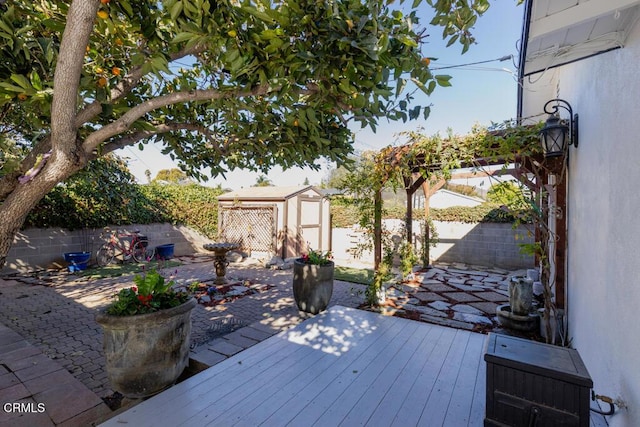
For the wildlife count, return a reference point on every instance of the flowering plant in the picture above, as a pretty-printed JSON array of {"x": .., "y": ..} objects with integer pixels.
[
  {"x": 152, "y": 293},
  {"x": 317, "y": 257}
]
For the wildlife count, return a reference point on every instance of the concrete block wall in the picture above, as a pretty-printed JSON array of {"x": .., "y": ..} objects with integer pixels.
[
  {"x": 482, "y": 244},
  {"x": 38, "y": 248}
]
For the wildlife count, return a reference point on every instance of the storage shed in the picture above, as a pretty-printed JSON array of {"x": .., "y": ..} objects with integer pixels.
[{"x": 282, "y": 221}]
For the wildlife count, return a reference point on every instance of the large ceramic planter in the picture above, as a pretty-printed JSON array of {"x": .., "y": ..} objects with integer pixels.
[
  {"x": 148, "y": 352},
  {"x": 312, "y": 286}
]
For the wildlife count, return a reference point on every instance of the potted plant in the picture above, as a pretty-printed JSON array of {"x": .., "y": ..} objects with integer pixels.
[
  {"x": 313, "y": 281},
  {"x": 147, "y": 332}
]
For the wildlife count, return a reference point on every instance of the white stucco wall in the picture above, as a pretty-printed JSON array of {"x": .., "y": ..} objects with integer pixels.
[{"x": 603, "y": 205}]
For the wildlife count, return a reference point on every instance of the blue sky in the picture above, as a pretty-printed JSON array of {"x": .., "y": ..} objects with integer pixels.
[{"x": 483, "y": 94}]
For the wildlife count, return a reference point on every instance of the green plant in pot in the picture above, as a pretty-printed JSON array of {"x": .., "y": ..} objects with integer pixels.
[
  {"x": 313, "y": 281},
  {"x": 147, "y": 332}
]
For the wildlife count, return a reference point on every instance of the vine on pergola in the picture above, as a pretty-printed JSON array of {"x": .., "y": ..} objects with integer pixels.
[
  {"x": 432, "y": 159},
  {"x": 429, "y": 159}
]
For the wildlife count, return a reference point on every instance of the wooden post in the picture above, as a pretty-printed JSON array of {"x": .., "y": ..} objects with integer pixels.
[
  {"x": 377, "y": 229},
  {"x": 561, "y": 243},
  {"x": 426, "y": 257},
  {"x": 409, "y": 214}
]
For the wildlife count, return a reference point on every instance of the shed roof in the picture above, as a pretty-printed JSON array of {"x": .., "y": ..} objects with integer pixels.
[
  {"x": 267, "y": 193},
  {"x": 446, "y": 198}
]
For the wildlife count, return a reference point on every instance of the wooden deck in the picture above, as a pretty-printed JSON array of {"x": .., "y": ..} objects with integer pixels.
[{"x": 343, "y": 367}]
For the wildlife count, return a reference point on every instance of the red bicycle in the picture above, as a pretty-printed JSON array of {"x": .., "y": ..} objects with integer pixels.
[{"x": 126, "y": 245}]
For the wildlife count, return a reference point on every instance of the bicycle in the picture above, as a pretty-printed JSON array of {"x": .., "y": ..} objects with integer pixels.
[{"x": 137, "y": 248}]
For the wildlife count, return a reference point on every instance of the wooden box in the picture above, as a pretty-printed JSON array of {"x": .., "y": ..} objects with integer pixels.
[{"x": 535, "y": 384}]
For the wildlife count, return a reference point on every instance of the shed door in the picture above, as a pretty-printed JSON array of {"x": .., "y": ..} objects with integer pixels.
[
  {"x": 252, "y": 227},
  {"x": 310, "y": 223}
]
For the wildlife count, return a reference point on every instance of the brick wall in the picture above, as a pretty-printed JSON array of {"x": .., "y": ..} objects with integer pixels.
[{"x": 37, "y": 248}]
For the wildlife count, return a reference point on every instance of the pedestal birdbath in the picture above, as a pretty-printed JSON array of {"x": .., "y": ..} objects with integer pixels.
[{"x": 220, "y": 258}]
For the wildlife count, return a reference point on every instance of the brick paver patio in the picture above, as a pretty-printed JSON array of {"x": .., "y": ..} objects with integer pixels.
[{"x": 55, "y": 313}]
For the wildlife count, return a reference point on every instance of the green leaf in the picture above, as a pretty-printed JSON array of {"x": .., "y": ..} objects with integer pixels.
[
  {"x": 35, "y": 80},
  {"x": 452, "y": 40},
  {"x": 443, "y": 80},
  {"x": 11, "y": 88},
  {"x": 21, "y": 80},
  {"x": 426, "y": 112},
  {"x": 176, "y": 10},
  {"x": 258, "y": 14},
  {"x": 180, "y": 37},
  {"x": 401, "y": 85},
  {"x": 345, "y": 86},
  {"x": 6, "y": 28},
  {"x": 126, "y": 6},
  {"x": 421, "y": 86},
  {"x": 311, "y": 115}
]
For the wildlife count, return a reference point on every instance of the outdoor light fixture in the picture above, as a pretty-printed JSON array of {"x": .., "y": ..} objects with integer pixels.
[{"x": 556, "y": 135}]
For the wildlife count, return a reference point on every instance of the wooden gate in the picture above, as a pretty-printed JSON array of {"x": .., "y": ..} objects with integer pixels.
[{"x": 253, "y": 227}]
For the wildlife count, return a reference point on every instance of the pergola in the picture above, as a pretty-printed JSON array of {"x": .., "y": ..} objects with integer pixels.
[{"x": 534, "y": 171}]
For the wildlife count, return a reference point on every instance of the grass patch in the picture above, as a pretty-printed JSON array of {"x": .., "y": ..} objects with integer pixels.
[
  {"x": 363, "y": 276},
  {"x": 116, "y": 269}
]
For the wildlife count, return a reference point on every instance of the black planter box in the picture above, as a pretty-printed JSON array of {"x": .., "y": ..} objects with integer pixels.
[{"x": 535, "y": 384}]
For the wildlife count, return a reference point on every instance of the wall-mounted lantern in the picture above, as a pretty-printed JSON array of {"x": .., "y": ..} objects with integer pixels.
[{"x": 556, "y": 135}]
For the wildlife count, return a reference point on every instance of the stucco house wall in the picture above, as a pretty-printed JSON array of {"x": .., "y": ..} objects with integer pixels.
[{"x": 603, "y": 265}]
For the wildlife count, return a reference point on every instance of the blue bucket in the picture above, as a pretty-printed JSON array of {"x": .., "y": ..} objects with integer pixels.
[
  {"x": 165, "y": 251},
  {"x": 77, "y": 260}
]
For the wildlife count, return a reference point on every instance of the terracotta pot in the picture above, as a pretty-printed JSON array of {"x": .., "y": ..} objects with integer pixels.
[
  {"x": 147, "y": 353},
  {"x": 312, "y": 286}
]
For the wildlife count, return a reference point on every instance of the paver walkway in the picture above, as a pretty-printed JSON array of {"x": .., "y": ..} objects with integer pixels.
[
  {"x": 56, "y": 314},
  {"x": 35, "y": 391}
]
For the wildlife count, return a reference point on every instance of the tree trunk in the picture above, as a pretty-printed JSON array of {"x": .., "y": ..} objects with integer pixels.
[{"x": 15, "y": 208}]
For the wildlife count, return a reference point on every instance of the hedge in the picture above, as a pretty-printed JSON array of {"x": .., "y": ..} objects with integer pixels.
[
  {"x": 192, "y": 205},
  {"x": 346, "y": 216}
]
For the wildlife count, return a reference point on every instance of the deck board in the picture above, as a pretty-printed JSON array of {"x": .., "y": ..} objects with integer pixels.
[
  {"x": 461, "y": 399},
  {"x": 411, "y": 409},
  {"x": 400, "y": 390},
  {"x": 345, "y": 366}
]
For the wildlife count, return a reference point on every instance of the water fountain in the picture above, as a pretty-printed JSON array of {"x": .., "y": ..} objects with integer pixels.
[
  {"x": 517, "y": 314},
  {"x": 220, "y": 258}
]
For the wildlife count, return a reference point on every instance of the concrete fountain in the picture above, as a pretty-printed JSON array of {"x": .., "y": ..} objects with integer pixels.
[{"x": 517, "y": 314}]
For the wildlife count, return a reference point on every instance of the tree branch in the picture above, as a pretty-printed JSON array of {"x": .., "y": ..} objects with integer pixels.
[
  {"x": 9, "y": 182},
  {"x": 66, "y": 80},
  {"x": 125, "y": 85},
  {"x": 124, "y": 123},
  {"x": 131, "y": 139}
]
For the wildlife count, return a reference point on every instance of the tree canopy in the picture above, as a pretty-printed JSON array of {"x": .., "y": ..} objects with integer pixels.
[
  {"x": 263, "y": 181},
  {"x": 173, "y": 175},
  {"x": 220, "y": 84}
]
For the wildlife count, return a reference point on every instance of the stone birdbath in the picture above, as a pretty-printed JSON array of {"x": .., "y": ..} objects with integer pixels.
[{"x": 220, "y": 258}]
